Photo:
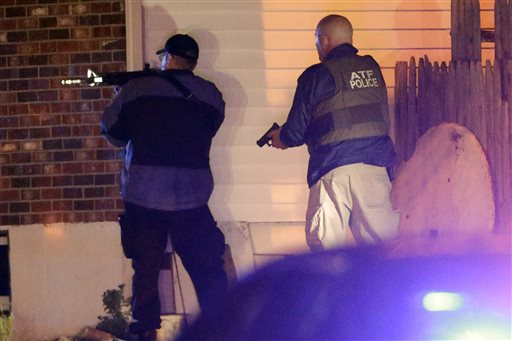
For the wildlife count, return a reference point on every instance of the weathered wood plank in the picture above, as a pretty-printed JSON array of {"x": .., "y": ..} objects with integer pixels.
[
  {"x": 412, "y": 119},
  {"x": 401, "y": 112},
  {"x": 507, "y": 226},
  {"x": 480, "y": 105}
]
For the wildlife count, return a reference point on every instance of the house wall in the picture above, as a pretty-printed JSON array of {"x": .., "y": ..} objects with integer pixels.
[
  {"x": 58, "y": 174},
  {"x": 254, "y": 51}
]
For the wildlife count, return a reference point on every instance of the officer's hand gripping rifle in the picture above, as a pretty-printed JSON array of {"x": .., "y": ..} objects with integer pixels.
[{"x": 110, "y": 78}]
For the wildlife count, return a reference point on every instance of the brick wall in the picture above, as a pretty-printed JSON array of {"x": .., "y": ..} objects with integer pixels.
[{"x": 54, "y": 164}]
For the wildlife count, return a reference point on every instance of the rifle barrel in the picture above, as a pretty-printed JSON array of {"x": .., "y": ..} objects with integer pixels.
[
  {"x": 110, "y": 78},
  {"x": 91, "y": 81},
  {"x": 72, "y": 81}
]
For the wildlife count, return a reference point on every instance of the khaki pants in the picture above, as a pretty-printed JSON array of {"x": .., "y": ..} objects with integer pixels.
[{"x": 350, "y": 204}]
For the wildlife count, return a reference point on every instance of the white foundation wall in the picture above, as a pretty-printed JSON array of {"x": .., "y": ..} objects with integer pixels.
[
  {"x": 60, "y": 271},
  {"x": 58, "y": 274}
]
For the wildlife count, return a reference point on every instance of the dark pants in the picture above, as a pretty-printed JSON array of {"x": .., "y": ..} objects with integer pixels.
[{"x": 195, "y": 238}]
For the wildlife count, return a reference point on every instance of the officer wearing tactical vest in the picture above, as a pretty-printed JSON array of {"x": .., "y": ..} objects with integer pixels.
[
  {"x": 340, "y": 112},
  {"x": 166, "y": 122}
]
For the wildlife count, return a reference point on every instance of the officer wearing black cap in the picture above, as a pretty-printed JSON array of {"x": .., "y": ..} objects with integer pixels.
[
  {"x": 181, "y": 45},
  {"x": 166, "y": 122}
]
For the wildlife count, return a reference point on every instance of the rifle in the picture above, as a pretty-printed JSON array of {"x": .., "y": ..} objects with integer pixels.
[{"x": 111, "y": 78}]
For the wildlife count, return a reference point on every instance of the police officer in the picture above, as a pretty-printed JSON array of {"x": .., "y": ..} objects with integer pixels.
[
  {"x": 340, "y": 112},
  {"x": 167, "y": 122}
]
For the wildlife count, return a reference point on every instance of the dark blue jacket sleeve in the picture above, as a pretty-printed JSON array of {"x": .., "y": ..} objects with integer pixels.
[{"x": 314, "y": 85}]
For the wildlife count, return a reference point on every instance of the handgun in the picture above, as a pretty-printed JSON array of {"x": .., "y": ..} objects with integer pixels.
[{"x": 264, "y": 140}]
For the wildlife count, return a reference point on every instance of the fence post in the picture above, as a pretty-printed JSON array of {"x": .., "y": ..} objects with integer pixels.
[
  {"x": 401, "y": 114},
  {"x": 412, "y": 120},
  {"x": 465, "y": 30},
  {"x": 503, "y": 45}
]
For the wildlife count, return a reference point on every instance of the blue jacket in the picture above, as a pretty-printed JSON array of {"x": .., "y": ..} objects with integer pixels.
[
  {"x": 167, "y": 139},
  {"x": 315, "y": 85}
]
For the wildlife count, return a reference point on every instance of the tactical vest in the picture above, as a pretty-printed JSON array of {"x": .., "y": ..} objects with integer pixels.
[{"x": 358, "y": 109}]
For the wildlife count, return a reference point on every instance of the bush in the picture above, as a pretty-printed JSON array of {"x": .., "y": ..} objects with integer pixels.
[{"x": 118, "y": 313}]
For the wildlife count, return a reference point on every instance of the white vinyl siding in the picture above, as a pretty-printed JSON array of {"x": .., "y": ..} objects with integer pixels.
[{"x": 254, "y": 51}]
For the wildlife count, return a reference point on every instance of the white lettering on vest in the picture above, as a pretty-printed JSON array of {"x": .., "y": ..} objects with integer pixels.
[{"x": 363, "y": 79}]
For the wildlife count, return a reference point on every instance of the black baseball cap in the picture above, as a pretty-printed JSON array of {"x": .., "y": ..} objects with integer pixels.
[{"x": 181, "y": 45}]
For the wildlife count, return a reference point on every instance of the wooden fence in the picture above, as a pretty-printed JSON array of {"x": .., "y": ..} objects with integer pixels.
[{"x": 466, "y": 92}]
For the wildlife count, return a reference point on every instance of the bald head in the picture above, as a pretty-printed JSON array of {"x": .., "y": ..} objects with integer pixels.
[{"x": 331, "y": 31}]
